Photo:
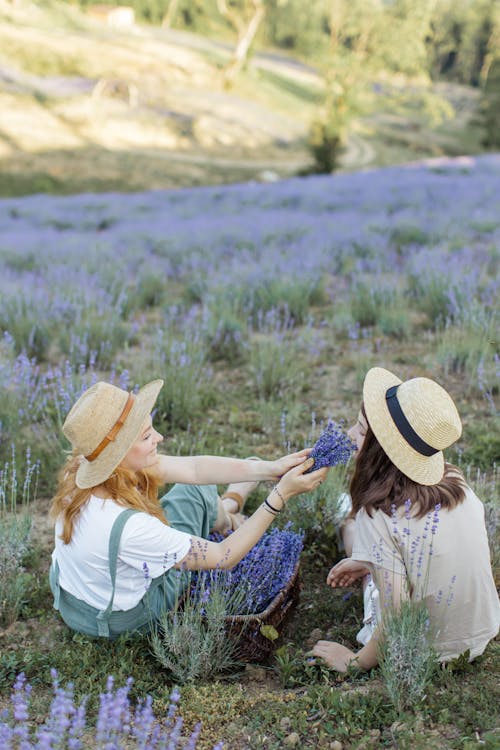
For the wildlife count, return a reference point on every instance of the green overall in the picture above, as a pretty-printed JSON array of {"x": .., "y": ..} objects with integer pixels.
[{"x": 189, "y": 508}]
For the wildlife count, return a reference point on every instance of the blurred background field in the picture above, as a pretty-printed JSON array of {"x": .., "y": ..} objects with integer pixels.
[
  {"x": 88, "y": 106},
  {"x": 261, "y": 303}
]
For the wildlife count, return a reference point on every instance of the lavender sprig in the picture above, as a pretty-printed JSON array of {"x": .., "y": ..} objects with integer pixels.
[{"x": 333, "y": 447}]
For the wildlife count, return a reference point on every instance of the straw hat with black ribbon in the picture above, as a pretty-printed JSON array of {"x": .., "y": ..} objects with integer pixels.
[
  {"x": 414, "y": 421},
  {"x": 103, "y": 425}
]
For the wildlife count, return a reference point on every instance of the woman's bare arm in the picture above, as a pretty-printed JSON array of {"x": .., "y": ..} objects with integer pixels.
[{"x": 223, "y": 470}]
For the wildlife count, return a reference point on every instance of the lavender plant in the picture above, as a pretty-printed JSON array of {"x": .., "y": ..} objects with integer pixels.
[
  {"x": 465, "y": 346},
  {"x": 320, "y": 512},
  {"x": 275, "y": 356},
  {"x": 406, "y": 656},
  {"x": 15, "y": 531},
  {"x": 119, "y": 725},
  {"x": 191, "y": 641},
  {"x": 181, "y": 360}
]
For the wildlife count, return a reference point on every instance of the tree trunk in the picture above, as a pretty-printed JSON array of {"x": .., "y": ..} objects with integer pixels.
[
  {"x": 170, "y": 14},
  {"x": 246, "y": 35}
]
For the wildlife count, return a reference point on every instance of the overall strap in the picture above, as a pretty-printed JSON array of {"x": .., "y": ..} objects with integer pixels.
[
  {"x": 54, "y": 583},
  {"x": 114, "y": 543}
]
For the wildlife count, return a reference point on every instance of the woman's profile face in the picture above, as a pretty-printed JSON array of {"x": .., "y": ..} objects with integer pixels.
[
  {"x": 143, "y": 453},
  {"x": 358, "y": 431}
]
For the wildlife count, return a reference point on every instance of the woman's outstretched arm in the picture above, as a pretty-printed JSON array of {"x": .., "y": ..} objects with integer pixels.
[
  {"x": 206, "y": 555},
  {"x": 222, "y": 470}
]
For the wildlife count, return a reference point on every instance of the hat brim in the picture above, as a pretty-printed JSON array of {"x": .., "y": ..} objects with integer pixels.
[
  {"x": 93, "y": 473},
  {"x": 425, "y": 470}
]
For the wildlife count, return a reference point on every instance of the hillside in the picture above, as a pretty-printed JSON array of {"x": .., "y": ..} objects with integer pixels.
[{"x": 85, "y": 107}]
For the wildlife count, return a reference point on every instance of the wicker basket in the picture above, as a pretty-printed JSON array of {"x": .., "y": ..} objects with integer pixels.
[{"x": 252, "y": 645}]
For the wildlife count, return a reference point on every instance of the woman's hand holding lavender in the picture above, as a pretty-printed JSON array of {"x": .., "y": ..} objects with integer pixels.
[{"x": 300, "y": 479}]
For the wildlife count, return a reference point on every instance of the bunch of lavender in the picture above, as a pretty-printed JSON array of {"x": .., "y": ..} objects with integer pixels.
[
  {"x": 262, "y": 573},
  {"x": 333, "y": 447},
  {"x": 118, "y": 725}
]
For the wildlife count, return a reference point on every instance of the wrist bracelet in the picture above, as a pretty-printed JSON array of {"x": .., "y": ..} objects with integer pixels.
[
  {"x": 267, "y": 507},
  {"x": 275, "y": 489},
  {"x": 271, "y": 507}
]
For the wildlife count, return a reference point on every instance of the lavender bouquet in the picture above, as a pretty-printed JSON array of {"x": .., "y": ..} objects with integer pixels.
[
  {"x": 262, "y": 573},
  {"x": 333, "y": 447}
]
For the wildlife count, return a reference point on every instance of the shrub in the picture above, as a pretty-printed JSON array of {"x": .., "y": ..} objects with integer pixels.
[
  {"x": 275, "y": 357},
  {"x": 225, "y": 333},
  {"x": 406, "y": 656},
  {"x": 15, "y": 531},
  {"x": 182, "y": 363},
  {"x": 378, "y": 305},
  {"x": 190, "y": 641},
  {"x": 467, "y": 347}
]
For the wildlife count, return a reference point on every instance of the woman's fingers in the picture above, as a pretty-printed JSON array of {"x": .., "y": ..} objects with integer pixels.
[{"x": 346, "y": 572}]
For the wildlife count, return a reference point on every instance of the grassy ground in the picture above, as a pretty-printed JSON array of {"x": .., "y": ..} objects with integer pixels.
[{"x": 284, "y": 702}]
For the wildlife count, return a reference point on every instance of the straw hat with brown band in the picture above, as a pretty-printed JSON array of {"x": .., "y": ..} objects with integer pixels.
[
  {"x": 414, "y": 421},
  {"x": 103, "y": 425}
]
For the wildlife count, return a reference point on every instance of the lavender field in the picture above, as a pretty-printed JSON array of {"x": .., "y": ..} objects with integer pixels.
[{"x": 262, "y": 307}]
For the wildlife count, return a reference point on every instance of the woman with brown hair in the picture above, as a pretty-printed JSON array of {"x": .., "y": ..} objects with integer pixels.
[
  {"x": 116, "y": 544},
  {"x": 419, "y": 530}
]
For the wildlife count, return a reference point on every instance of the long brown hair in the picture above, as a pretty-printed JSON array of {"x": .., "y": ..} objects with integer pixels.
[
  {"x": 378, "y": 484},
  {"x": 127, "y": 488}
]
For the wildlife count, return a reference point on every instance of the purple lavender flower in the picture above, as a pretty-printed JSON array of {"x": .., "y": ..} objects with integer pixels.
[
  {"x": 262, "y": 573},
  {"x": 332, "y": 447},
  {"x": 66, "y": 722}
]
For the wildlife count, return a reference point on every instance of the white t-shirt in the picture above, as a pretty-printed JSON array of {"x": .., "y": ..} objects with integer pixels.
[
  {"x": 446, "y": 559},
  {"x": 148, "y": 548}
]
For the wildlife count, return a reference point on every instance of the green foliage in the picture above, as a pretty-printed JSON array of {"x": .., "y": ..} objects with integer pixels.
[
  {"x": 468, "y": 346},
  {"x": 15, "y": 532},
  {"x": 149, "y": 291},
  {"x": 225, "y": 332},
  {"x": 182, "y": 362},
  {"x": 191, "y": 641},
  {"x": 490, "y": 107},
  {"x": 275, "y": 365},
  {"x": 295, "y": 669},
  {"x": 382, "y": 306},
  {"x": 320, "y": 512},
  {"x": 408, "y": 234},
  {"x": 291, "y": 297},
  {"x": 461, "y": 39},
  {"x": 482, "y": 443},
  {"x": 406, "y": 656},
  {"x": 327, "y": 143},
  {"x": 431, "y": 294}
]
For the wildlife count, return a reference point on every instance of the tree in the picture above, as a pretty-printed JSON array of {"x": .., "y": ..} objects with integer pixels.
[
  {"x": 245, "y": 16},
  {"x": 369, "y": 41}
]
